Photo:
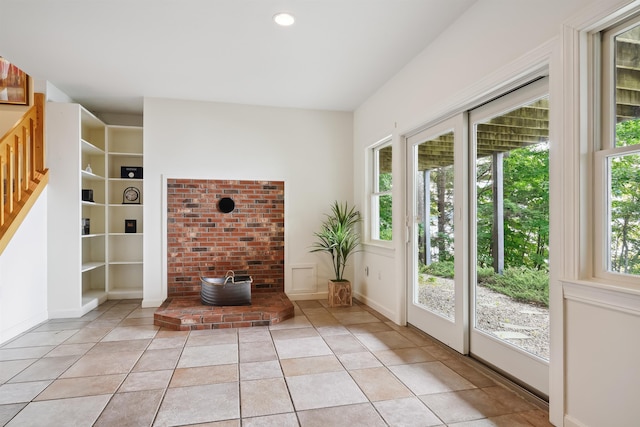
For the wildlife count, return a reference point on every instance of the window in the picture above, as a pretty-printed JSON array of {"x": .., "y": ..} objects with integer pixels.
[
  {"x": 381, "y": 199},
  {"x": 617, "y": 157}
]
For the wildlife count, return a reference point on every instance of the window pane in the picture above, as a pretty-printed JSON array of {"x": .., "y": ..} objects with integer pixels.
[
  {"x": 384, "y": 171},
  {"x": 512, "y": 242},
  {"x": 381, "y": 219},
  {"x": 434, "y": 197},
  {"x": 624, "y": 214},
  {"x": 384, "y": 223},
  {"x": 627, "y": 86}
]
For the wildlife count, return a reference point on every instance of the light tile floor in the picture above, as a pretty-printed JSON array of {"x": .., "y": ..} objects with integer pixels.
[{"x": 325, "y": 367}]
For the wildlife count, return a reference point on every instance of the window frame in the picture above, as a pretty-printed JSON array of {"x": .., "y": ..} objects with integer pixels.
[
  {"x": 604, "y": 148},
  {"x": 375, "y": 193}
]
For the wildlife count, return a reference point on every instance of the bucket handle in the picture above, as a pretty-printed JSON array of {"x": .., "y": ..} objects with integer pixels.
[{"x": 230, "y": 275}]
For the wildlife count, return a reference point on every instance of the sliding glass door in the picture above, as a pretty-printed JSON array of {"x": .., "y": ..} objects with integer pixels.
[
  {"x": 478, "y": 222},
  {"x": 510, "y": 235}
]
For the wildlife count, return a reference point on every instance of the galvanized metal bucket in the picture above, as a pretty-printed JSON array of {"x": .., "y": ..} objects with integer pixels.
[{"x": 227, "y": 290}]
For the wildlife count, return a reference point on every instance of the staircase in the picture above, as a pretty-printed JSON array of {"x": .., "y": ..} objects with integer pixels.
[{"x": 23, "y": 174}]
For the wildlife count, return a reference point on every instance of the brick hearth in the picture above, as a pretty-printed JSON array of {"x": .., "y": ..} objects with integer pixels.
[{"x": 188, "y": 313}]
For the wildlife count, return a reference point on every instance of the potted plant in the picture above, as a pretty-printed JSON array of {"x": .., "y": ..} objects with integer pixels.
[{"x": 339, "y": 237}]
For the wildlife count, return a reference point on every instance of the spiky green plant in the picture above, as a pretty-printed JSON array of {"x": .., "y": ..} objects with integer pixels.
[{"x": 339, "y": 236}]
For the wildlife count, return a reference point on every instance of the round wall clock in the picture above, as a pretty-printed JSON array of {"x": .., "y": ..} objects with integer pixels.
[{"x": 131, "y": 195}]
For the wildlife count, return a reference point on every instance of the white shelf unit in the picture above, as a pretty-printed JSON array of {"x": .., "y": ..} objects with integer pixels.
[
  {"x": 125, "y": 254},
  {"x": 77, "y": 265},
  {"x": 85, "y": 269}
]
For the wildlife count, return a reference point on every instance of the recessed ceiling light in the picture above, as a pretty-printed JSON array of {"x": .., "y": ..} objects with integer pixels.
[{"x": 284, "y": 19}]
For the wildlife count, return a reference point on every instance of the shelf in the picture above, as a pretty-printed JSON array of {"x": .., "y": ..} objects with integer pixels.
[
  {"x": 125, "y": 279},
  {"x": 88, "y": 266},
  {"x": 139, "y": 181},
  {"x": 92, "y": 299},
  {"x": 87, "y": 236},
  {"x": 91, "y": 176},
  {"x": 125, "y": 248},
  {"x": 125, "y": 154},
  {"x": 90, "y": 204},
  {"x": 125, "y": 139},
  {"x": 89, "y": 148},
  {"x": 77, "y": 268},
  {"x": 116, "y": 267}
]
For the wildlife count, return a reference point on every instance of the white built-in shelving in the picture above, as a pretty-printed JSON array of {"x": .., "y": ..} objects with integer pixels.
[
  {"x": 86, "y": 268},
  {"x": 125, "y": 248}
]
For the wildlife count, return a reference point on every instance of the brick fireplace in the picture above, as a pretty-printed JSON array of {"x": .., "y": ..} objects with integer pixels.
[{"x": 202, "y": 238}]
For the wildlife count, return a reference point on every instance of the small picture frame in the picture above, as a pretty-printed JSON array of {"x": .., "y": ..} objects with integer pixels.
[
  {"x": 13, "y": 84},
  {"x": 131, "y": 172},
  {"x": 130, "y": 226},
  {"x": 87, "y": 195},
  {"x": 86, "y": 226}
]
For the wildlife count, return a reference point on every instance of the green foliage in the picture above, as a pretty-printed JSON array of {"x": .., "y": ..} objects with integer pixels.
[
  {"x": 526, "y": 208},
  {"x": 440, "y": 269},
  {"x": 338, "y": 236},
  {"x": 385, "y": 212},
  {"x": 520, "y": 283},
  {"x": 628, "y": 133},
  {"x": 385, "y": 182},
  {"x": 441, "y": 210},
  {"x": 484, "y": 274},
  {"x": 526, "y": 218},
  {"x": 625, "y": 202}
]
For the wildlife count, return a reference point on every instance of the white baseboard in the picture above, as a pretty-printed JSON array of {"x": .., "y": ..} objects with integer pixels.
[
  {"x": 569, "y": 421},
  {"x": 22, "y": 327},
  {"x": 307, "y": 296},
  {"x": 147, "y": 303},
  {"x": 390, "y": 314},
  {"x": 67, "y": 314}
]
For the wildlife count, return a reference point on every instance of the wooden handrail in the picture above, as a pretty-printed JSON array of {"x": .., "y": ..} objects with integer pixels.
[{"x": 23, "y": 174}]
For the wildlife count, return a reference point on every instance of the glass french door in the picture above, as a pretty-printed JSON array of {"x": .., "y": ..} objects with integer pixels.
[
  {"x": 478, "y": 224},
  {"x": 437, "y": 222},
  {"x": 510, "y": 235}
]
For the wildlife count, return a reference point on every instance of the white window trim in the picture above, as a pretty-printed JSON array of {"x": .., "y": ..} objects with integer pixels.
[
  {"x": 602, "y": 147},
  {"x": 371, "y": 221}
]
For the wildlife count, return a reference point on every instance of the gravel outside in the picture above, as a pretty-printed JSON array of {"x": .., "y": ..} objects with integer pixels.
[{"x": 522, "y": 324}]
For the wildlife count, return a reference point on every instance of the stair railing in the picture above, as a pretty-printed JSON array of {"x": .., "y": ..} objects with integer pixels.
[{"x": 23, "y": 174}]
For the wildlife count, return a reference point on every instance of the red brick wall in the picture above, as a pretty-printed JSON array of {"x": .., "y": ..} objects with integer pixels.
[{"x": 249, "y": 240}]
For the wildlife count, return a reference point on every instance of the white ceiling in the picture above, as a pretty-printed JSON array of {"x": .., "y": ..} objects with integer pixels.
[{"x": 109, "y": 54}]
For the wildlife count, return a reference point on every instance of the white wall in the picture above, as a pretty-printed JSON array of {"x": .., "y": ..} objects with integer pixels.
[
  {"x": 453, "y": 70},
  {"x": 23, "y": 274},
  {"x": 23, "y": 264},
  {"x": 601, "y": 319},
  {"x": 602, "y": 371},
  {"x": 494, "y": 42},
  {"x": 309, "y": 150}
]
